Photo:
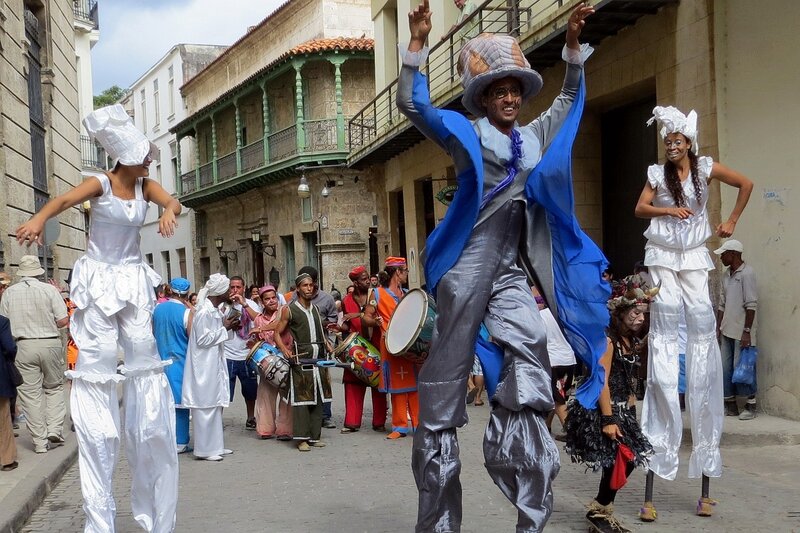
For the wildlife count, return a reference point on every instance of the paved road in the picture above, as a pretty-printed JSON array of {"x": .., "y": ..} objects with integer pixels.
[{"x": 363, "y": 483}]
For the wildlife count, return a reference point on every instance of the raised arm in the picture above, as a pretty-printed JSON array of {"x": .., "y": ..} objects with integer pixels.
[
  {"x": 32, "y": 230},
  {"x": 734, "y": 179},
  {"x": 546, "y": 125}
]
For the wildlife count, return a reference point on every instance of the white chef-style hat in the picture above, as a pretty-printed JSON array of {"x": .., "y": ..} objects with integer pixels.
[
  {"x": 113, "y": 128},
  {"x": 672, "y": 120}
]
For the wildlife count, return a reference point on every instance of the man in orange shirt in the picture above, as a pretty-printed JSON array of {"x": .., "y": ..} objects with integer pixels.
[{"x": 399, "y": 376}]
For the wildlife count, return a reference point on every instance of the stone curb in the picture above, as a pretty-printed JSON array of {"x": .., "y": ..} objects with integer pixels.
[{"x": 30, "y": 492}]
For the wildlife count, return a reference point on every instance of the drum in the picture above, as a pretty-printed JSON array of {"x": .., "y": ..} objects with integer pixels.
[
  {"x": 270, "y": 363},
  {"x": 366, "y": 359},
  {"x": 411, "y": 327}
]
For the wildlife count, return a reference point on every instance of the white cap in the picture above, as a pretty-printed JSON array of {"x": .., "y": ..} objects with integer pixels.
[
  {"x": 114, "y": 129},
  {"x": 731, "y": 244}
]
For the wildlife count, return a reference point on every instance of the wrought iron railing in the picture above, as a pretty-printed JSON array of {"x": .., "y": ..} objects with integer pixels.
[
  {"x": 188, "y": 182},
  {"x": 92, "y": 154},
  {"x": 206, "y": 174},
  {"x": 283, "y": 143},
  {"x": 321, "y": 135},
  {"x": 86, "y": 11},
  {"x": 381, "y": 116},
  {"x": 226, "y": 166},
  {"x": 253, "y": 155}
]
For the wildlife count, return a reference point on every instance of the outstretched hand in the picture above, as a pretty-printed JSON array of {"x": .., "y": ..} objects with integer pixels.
[
  {"x": 576, "y": 22},
  {"x": 419, "y": 22},
  {"x": 31, "y": 232}
]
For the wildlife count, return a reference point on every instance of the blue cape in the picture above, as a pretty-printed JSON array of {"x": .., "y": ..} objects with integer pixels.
[{"x": 580, "y": 291}]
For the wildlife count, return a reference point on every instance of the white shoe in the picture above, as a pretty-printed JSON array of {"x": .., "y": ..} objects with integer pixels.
[
  {"x": 212, "y": 458},
  {"x": 226, "y": 451}
]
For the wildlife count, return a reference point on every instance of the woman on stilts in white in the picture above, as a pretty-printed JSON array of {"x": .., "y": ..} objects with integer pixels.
[
  {"x": 112, "y": 288},
  {"x": 675, "y": 198}
]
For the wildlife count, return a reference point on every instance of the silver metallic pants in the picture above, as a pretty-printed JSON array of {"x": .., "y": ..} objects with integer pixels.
[
  {"x": 661, "y": 414},
  {"x": 487, "y": 285},
  {"x": 149, "y": 419}
]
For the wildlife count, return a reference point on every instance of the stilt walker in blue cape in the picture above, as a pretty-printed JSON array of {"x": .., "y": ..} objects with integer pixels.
[{"x": 511, "y": 224}]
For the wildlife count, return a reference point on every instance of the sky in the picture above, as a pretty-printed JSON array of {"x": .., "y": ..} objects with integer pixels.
[{"x": 134, "y": 34}]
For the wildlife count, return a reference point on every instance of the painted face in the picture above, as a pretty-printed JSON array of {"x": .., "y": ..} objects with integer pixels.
[
  {"x": 502, "y": 101},
  {"x": 306, "y": 288},
  {"x": 676, "y": 146},
  {"x": 270, "y": 301},
  {"x": 633, "y": 319}
]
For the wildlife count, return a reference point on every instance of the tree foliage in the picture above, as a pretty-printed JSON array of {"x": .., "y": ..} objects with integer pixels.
[{"x": 108, "y": 96}]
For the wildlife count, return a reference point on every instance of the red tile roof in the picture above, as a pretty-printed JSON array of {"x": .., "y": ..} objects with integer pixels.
[{"x": 329, "y": 45}]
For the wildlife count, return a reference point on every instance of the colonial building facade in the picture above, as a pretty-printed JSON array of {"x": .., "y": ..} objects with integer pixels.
[
  {"x": 269, "y": 115},
  {"x": 42, "y": 94},
  {"x": 154, "y": 101},
  {"x": 714, "y": 57}
]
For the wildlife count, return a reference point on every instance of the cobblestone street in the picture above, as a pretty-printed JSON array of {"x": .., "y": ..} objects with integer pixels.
[{"x": 363, "y": 483}]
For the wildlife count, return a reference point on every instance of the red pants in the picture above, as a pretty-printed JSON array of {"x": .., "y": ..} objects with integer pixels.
[
  {"x": 354, "y": 405},
  {"x": 403, "y": 405}
]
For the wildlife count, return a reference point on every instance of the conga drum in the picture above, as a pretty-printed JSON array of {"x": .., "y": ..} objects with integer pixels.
[
  {"x": 411, "y": 327},
  {"x": 366, "y": 359},
  {"x": 270, "y": 363}
]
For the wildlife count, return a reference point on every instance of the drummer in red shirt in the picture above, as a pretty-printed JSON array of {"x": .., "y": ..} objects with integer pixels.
[
  {"x": 355, "y": 321},
  {"x": 399, "y": 376}
]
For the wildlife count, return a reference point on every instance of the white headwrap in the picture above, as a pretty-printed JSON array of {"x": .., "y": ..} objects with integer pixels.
[
  {"x": 216, "y": 285},
  {"x": 672, "y": 120}
]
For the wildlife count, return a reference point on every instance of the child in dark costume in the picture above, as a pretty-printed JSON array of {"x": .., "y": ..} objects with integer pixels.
[{"x": 594, "y": 436}]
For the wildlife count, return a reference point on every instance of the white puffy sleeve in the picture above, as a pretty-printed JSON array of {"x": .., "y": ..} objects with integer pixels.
[{"x": 655, "y": 175}]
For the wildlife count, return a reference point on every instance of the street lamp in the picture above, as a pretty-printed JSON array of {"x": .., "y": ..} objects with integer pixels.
[
  {"x": 303, "y": 190},
  {"x": 267, "y": 249},
  {"x": 227, "y": 254}
]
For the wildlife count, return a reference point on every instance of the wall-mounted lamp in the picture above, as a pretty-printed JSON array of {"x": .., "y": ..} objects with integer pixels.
[
  {"x": 326, "y": 190},
  {"x": 228, "y": 254},
  {"x": 303, "y": 190},
  {"x": 267, "y": 249}
]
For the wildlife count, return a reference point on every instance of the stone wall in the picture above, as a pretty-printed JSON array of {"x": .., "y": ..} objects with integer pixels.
[
  {"x": 276, "y": 211},
  {"x": 61, "y": 119}
]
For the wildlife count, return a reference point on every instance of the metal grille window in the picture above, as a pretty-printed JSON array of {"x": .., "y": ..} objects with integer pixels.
[
  {"x": 37, "y": 126},
  {"x": 200, "y": 229}
]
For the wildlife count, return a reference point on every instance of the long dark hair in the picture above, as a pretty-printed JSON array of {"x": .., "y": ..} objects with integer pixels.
[{"x": 674, "y": 183}]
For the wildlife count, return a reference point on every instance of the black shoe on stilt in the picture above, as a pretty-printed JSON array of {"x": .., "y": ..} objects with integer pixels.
[{"x": 601, "y": 519}]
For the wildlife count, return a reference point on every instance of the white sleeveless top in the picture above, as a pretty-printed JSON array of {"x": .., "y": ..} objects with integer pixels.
[
  {"x": 112, "y": 273},
  {"x": 674, "y": 243}
]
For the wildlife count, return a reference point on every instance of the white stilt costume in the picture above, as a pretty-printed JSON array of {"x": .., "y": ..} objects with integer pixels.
[
  {"x": 112, "y": 288},
  {"x": 678, "y": 259}
]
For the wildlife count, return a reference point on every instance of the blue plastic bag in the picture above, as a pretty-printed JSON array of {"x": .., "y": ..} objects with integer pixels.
[{"x": 745, "y": 371}]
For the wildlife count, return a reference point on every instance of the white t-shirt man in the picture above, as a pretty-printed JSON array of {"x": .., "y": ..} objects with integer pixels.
[{"x": 236, "y": 348}]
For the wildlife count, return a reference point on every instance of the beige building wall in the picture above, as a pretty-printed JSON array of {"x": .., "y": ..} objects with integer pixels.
[
  {"x": 296, "y": 22},
  {"x": 345, "y": 218},
  {"x": 59, "y": 84},
  {"x": 757, "y": 70}
]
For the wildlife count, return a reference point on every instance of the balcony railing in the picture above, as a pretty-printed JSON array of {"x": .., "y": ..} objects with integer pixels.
[
  {"x": 226, "y": 166},
  {"x": 283, "y": 143},
  {"x": 86, "y": 11},
  {"x": 253, "y": 155},
  {"x": 92, "y": 154},
  {"x": 320, "y": 136},
  {"x": 381, "y": 117}
]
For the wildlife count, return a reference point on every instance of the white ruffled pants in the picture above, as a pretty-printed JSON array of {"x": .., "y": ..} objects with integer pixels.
[
  {"x": 149, "y": 418},
  {"x": 661, "y": 414}
]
